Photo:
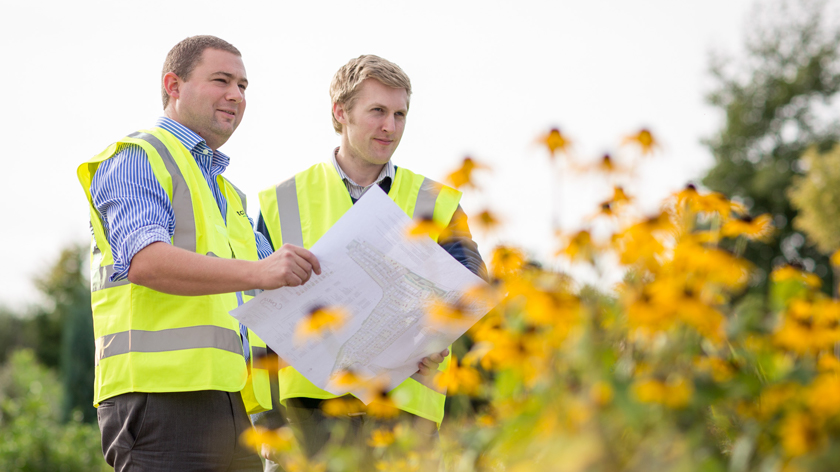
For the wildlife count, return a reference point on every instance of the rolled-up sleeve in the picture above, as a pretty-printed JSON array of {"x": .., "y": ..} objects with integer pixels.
[{"x": 135, "y": 209}]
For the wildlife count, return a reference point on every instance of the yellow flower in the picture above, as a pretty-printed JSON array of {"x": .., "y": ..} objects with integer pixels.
[
  {"x": 644, "y": 139},
  {"x": 789, "y": 272},
  {"x": 720, "y": 370},
  {"x": 458, "y": 379},
  {"x": 425, "y": 226},
  {"x": 775, "y": 397},
  {"x": 555, "y": 141},
  {"x": 463, "y": 176},
  {"x": 270, "y": 362},
  {"x": 822, "y": 396},
  {"x": 828, "y": 363},
  {"x": 835, "y": 259},
  {"x": 321, "y": 319},
  {"x": 342, "y": 406},
  {"x": 487, "y": 221},
  {"x": 601, "y": 393},
  {"x": 441, "y": 312},
  {"x": 382, "y": 406},
  {"x": 620, "y": 197},
  {"x": 709, "y": 203},
  {"x": 808, "y": 328},
  {"x": 277, "y": 439},
  {"x": 346, "y": 378},
  {"x": 381, "y": 438},
  {"x": 676, "y": 393},
  {"x": 757, "y": 229},
  {"x": 506, "y": 262},
  {"x": 800, "y": 434},
  {"x": 580, "y": 247}
]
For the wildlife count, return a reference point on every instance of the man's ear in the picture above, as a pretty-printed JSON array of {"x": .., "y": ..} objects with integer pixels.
[
  {"x": 339, "y": 113},
  {"x": 172, "y": 85}
]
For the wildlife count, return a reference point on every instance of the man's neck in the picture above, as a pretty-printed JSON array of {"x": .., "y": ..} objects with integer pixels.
[{"x": 360, "y": 172}]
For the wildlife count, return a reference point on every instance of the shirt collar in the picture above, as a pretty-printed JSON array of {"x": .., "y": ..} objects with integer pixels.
[
  {"x": 387, "y": 172},
  {"x": 193, "y": 142}
]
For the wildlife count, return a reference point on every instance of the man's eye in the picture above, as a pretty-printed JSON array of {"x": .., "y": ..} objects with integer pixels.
[{"x": 242, "y": 87}]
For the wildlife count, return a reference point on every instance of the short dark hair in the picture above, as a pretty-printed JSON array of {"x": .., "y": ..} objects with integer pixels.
[{"x": 185, "y": 56}]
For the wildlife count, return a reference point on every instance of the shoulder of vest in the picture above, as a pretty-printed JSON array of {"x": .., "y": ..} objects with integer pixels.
[{"x": 431, "y": 181}]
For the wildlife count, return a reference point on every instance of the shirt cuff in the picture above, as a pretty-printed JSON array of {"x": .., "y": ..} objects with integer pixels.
[{"x": 133, "y": 243}]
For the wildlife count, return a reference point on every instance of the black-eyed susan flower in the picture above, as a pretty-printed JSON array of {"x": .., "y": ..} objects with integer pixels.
[
  {"x": 279, "y": 440},
  {"x": 506, "y": 262},
  {"x": 644, "y": 140},
  {"x": 463, "y": 176},
  {"x": 555, "y": 142},
  {"x": 381, "y": 437},
  {"x": 790, "y": 272},
  {"x": 580, "y": 247},
  {"x": 425, "y": 226},
  {"x": 320, "y": 321},
  {"x": 342, "y": 406},
  {"x": 458, "y": 379},
  {"x": 759, "y": 228}
]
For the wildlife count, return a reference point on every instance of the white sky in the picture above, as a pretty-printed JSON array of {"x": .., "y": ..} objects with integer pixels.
[{"x": 488, "y": 77}]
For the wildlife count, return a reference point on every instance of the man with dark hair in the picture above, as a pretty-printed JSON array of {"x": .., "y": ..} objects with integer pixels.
[{"x": 173, "y": 252}]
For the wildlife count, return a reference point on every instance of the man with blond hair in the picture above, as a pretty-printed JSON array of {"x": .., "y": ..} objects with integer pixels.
[
  {"x": 173, "y": 253},
  {"x": 370, "y": 101}
]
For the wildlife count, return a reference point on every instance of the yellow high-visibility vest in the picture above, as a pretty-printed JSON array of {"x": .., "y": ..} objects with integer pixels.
[
  {"x": 301, "y": 210},
  {"x": 148, "y": 341}
]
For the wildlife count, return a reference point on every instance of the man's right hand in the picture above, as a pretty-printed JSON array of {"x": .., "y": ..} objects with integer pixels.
[{"x": 288, "y": 266}]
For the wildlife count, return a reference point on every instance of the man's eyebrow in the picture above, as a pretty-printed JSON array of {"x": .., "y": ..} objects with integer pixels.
[
  {"x": 382, "y": 105},
  {"x": 230, "y": 76}
]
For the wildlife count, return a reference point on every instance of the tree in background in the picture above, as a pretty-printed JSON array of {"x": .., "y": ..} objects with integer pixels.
[
  {"x": 776, "y": 102},
  {"x": 816, "y": 197},
  {"x": 65, "y": 330}
]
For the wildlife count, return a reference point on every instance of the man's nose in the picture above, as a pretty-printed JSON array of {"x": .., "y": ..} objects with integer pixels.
[
  {"x": 235, "y": 94},
  {"x": 389, "y": 124}
]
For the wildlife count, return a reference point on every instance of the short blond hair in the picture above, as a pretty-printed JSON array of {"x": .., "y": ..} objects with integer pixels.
[{"x": 346, "y": 82}]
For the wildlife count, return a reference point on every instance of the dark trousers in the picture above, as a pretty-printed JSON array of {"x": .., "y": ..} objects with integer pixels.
[
  {"x": 313, "y": 430},
  {"x": 183, "y": 431}
]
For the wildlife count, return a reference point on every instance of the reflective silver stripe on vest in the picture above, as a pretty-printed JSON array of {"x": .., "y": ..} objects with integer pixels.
[
  {"x": 259, "y": 352},
  {"x": 100, "y": 276},
  {"x": 253, "y": 292},
  {"x": 426, "y": 198},
  {"x": 175, "y": 339},
  {"x": 184, "y": 236},
  {"x": 242, "y": 197},
  {"x": 287, "y": 207}
]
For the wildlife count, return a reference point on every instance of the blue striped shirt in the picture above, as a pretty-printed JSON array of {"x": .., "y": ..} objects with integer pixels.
[{"x": 134, "y": 207}]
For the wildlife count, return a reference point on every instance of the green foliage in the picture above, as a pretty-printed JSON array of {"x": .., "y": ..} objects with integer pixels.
[
  {"x": 816, "y": 196},
  {"x": 65, "y": 330},
  {"x": 774, "y": 103},
  {"x": 12, "y": 328},
  {"x": 32, "y": 437}
]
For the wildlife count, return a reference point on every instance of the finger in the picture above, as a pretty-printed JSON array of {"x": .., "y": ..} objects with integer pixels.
[
  {"x": 300, "y": 273},
  {"x": 308, "y": 256}
]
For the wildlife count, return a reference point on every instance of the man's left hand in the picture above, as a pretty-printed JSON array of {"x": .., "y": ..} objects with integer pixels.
[{"x": 428, "y": 368}]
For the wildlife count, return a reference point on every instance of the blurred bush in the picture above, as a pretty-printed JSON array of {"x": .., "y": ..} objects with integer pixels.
[{"x": 32, "y": 435}]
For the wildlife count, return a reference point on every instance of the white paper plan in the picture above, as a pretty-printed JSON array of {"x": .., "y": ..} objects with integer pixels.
[{"x": 385, "y": 280}]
